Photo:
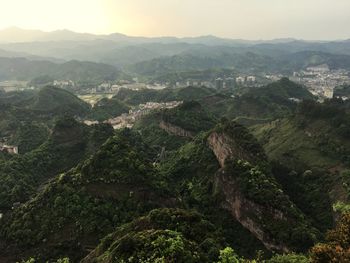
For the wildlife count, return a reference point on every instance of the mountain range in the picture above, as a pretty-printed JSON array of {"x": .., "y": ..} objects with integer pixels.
[{"x": 156, "y": 57}]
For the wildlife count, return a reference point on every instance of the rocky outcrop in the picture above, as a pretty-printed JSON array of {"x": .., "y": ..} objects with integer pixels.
[
  {"x": 175, "y": 130},
  {"x": 247, "y": 212},
  {"x": 256, "y": 215},
  {"x": 224, "y": 147}
]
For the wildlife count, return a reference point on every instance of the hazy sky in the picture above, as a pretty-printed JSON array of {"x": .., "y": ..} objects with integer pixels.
[{"x": 248, "y": 19}]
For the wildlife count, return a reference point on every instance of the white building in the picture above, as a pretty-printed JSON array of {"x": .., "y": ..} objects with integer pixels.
[{"x": 240, "y": 80}]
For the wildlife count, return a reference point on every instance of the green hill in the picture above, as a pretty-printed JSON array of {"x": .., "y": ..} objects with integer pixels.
[
  {"x": 183, "y": 236},
  {"x": 84, "y": 204},
  {"x": 258, "y": 104},
  {"x": 108, "y": 108},
  {"x": 69, "y": 143},
  {"x": 78, "y": 71},
  {"x": 223, "y": 173},
  {"x": 315, "y": 145},
  {"x": 51, "y": 100},
  {"x": 317, "y": 136},
  {"x": 171, "y": 128},
  {"x": 244, "y": 180}
]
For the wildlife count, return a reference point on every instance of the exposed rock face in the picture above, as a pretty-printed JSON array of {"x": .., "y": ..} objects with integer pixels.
[
  {"x": 175, "y": 130},
  {"x": 225, "y": 148},
  {"x": 246, "y": 211}
]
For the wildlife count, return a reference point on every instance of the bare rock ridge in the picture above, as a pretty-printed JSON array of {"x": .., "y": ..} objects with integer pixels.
[
  {"x": 241, "y": 208},
  {"x": 175, "y": 130},
  {"x": 248, "y": 212},
  {"x": 226, "y": 148}
]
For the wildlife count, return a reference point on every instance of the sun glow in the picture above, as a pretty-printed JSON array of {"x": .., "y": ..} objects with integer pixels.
[{"x": 249, "y": 19}]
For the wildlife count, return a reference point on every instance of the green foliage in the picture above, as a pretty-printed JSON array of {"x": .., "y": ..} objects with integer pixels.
[
  {"x": 259, "y": 186},
  {"x": 154, "y": 136},
  {"x": 29, "y": 136},
  {"x": 78, "y": 71},
  {"x": 164, "y": 235},
  {"x": 289, "y": 258},
  {"x": 190, "y": 116},
  {"x": 268, "y": 102},
  {"x": 105, "y": 191},
  {"x": 108, "y": 108},
  {"x": 341, "y": 207},
  {"x": 190, "y": 174},
  {"x": 69, "y": 143},
  {"x": 51, "y": 100},
  {"x": 228, "y": 255}
]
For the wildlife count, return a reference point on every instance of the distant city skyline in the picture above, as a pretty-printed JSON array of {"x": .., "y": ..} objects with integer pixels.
[{"x": 236, "y": 19}]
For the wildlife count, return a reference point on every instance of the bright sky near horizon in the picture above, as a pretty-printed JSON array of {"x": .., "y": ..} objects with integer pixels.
[{"x": 246, "y": 19}]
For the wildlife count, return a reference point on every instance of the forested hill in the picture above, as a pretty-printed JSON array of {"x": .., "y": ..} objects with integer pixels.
[
  {"x": 222, "y": 175},
  {"x": 78, "y": 71}
]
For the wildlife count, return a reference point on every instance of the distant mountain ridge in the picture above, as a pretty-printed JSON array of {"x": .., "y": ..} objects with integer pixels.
[{"x": 16, "y": 35}]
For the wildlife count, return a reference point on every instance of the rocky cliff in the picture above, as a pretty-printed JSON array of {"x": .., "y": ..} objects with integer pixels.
[{"x": 252, "y": 195}]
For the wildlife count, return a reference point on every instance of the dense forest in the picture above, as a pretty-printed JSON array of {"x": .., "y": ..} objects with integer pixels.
[{"x": 247, "y": 177}]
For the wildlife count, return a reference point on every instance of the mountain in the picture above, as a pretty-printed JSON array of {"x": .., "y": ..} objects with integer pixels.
[
  {"x": 218, "y": 174},
  {"x": 51, "y": 100},
  {"x": 244, "y": 60},
  {"x": 69, "y": 142},
  {"x": 24, "y": 69},
  {"x": 15, "y": 35},
  {"x": 108, "y": 189},
  {"x": 313, "y": 136},
  {"x": 161, "y": 55},
  {"x": 313, "y": 144},
  {"x": 105, "y": 109},
  {"x": 230, "y": 162},
  {"x": 147, "y": 239},
  {"x": 171, "y": 128}
]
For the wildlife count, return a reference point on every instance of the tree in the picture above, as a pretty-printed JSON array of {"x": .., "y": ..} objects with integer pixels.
[
  {"x": 337, "y": 247},
  {"x": 228, "y": 255}
]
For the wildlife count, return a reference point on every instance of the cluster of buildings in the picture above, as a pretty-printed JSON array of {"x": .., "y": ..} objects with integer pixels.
[
  {"x": 12, "y": 85},
  {"x": 230, "y": 82},
  {"x": 321, "y": 81},
  {"x": 127, "y": 120},
  {"x": 64, "y": 83},
  {"x": 10, "y": 149},
  {"x": 113, "y": 88}
]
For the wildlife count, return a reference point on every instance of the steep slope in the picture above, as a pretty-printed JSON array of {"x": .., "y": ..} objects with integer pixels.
[
  {"x": 69, "y": 143},
  {"x": 314, "y": 145},
  {"x": 81, "y": 206},
  {"x": 316, "y": 136},
  {"x": 171, "y": 128},
  {"x": 173, "y": 234},
  {"x": 252, "y": 193},
  {"x": 269, "y": 102},
  {"x": 51, "y": 100},
  {"x": 244, "y": 186}
]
